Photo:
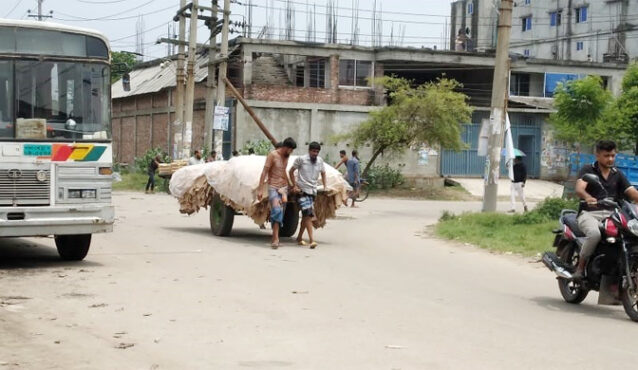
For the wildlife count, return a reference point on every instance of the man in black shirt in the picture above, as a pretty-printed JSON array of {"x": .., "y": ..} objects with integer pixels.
[
  {"x": 617, "y": 187},
  {"x": 152, "y": 167},
  {"x": 518, "y": 184}
]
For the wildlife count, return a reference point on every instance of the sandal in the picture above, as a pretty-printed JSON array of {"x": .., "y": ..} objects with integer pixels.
[
  {"x": 302, "y": 243},
  {"x": 313, "y": 245},
  {"x": 274, "y": 245}
]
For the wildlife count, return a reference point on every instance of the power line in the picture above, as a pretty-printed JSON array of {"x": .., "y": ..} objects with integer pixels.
[
  {"x": 12, "y": 9},
  {"x": 110, "y": 17},
  {"x": 101, "y": 2}
]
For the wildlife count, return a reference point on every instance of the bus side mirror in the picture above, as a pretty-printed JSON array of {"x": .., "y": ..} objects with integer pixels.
[{"x": 126, "y": 82}]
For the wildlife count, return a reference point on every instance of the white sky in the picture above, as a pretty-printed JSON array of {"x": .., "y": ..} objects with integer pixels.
[{"x": 424, "y": 20}]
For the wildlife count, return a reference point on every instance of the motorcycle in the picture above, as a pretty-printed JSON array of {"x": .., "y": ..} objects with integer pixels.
[{"x": 613, "y": 268}]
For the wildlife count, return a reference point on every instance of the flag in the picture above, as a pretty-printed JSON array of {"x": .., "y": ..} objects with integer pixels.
[{"x": 509, "y": 148}]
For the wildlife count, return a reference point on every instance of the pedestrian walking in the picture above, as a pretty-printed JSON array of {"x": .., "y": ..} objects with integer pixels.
[
  {"x": 518, "y": 184},
  {"x": 308, "y": 168},
  {"x": 353, "y": 176},
  {"x": 196, "y": 158},
  {"x": 152, "y": 167},
  {"x": 275, "y": 173}
]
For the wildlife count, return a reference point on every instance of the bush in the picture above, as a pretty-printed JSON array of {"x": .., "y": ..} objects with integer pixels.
[
  {"x": 447, "y": 216},
  {"x": 551, "y": 207},
  {"x": 261, "y": 147},
  {"x": 141, "y": 163},
  {"x": 384, "y": 177},
  {"x": 547, "y": 210}
]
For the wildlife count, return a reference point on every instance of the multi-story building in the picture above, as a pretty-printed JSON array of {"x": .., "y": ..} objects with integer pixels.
[{"x": 580, "y": 30}]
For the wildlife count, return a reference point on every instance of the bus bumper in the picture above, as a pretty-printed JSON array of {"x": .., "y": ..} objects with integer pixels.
[{"x": 56, "y": 220}]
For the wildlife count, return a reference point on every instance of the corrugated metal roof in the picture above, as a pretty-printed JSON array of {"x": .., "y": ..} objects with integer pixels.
[{"x": 156, "y": 78}]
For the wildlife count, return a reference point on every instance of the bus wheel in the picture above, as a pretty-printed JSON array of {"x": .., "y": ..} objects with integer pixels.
[{"x": 73, "y": 247}]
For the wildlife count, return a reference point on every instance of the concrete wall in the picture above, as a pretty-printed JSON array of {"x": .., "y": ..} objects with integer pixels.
[
  {"x": 554, "y": 156},
  {"x": 322, "y": 122}
]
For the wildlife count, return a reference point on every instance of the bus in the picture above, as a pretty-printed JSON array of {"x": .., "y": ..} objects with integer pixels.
[{"x": 56, "y": 160}]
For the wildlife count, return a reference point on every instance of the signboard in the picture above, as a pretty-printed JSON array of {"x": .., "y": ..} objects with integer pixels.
[{"x": 221, "y": 118}]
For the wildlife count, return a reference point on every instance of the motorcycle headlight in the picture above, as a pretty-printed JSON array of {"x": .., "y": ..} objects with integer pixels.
[{"x": 632, "y": 225}]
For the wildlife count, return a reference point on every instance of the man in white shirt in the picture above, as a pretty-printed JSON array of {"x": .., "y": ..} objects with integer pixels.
[
  {"x": 196, "y": 158},
  {"x": 308, "y": 168}
]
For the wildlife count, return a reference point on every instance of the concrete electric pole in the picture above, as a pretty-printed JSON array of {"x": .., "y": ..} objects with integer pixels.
[
  {"x": 221, "y": 86},
  {"x": 211, "y": 82},
  {"x": 178, "y": 138},
  {"x": 500, "y": 90},
  {"x": 190, "y": 81}
]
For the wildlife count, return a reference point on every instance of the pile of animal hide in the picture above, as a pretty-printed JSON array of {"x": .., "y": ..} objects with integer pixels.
[{"x": 236, "y": 181}]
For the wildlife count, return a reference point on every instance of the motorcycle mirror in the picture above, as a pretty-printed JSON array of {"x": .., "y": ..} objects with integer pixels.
[{"x": 593, "y": 181}]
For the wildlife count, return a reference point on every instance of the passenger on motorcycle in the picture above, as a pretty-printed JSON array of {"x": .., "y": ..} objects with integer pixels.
[{"x": 617, "y": 187}]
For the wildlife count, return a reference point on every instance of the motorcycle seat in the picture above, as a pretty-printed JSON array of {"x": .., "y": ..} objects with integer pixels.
[{"x": 571, "y": 220}]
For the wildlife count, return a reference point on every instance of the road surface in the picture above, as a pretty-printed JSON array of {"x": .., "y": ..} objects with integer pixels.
[{"x": 378, "y": 293}]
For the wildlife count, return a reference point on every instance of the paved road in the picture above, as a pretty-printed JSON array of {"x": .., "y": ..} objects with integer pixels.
[{"x": 378, "y": 293}]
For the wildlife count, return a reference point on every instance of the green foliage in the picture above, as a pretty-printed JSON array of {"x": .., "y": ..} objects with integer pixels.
[
  {"x": 581, "y": 106},
  {"x": 447, "y": 216},
  {"x": 526, "y": 233},
  {"x": 121, "y": 63},
  {"x": 431, "y": 114},
  {"x": 384, "y": 177},
  {"x": 622, "y": 118},
  {"x": 141, "y": 163},
  {"x": 261, "y": 147},
  {"x": 498, "y": 232}
]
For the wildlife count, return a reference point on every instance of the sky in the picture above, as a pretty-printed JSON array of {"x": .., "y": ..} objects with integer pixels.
[{"x": 422, "y": 22}]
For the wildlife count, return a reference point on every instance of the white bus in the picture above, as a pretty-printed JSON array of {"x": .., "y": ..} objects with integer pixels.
[{"x": 55, "y": 134}]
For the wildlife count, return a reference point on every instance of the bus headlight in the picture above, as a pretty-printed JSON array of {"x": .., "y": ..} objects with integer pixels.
[
  {"x": 41, "y": 176},
  {"x": 632, "y": 225},
  {"x": 82, "y": 194}
]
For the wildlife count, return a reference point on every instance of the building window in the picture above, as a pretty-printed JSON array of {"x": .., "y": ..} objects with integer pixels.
[
  {"x": 354, "y": 73},
  {"x": 555, "y": 19},
  {"x": 527, "y": 23},
  {"x": 317, "y": 73},
  {"x": 581, "y": 14},
  {"x": 519, "y": 84},
  {"x": 527, "y": 2},
  {"x": 470, "y": 8},
  {"x": 580, "y": 45},
  {"x": 526, "y": 52}
]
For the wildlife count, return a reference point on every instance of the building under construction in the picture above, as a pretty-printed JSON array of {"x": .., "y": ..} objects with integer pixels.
[{"x": 315, "y": 91}]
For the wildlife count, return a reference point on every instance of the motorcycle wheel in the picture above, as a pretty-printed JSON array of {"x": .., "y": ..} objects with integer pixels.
[
  {"x": 572, "y": 292},
  {"x": 629, "y": 297}
]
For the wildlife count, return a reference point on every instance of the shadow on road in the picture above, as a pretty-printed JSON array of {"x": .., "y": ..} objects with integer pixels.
[
  {"x": 246, "y": 237},
  {"x": 605, "y": 312},
  {"x": 16, "y": 253}
]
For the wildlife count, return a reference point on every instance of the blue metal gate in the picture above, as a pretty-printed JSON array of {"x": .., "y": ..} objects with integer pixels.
[{"x": 526, "y": 134}]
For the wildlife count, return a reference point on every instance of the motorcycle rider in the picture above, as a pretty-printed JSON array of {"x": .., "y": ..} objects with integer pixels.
[{"x": 617, "y": 187}]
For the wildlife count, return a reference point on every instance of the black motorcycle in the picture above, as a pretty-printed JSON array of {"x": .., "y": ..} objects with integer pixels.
[{"x": 613, "y": 268}]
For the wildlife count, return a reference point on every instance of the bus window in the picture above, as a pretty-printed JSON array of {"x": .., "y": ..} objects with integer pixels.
[{"x": 6, "y": 99}]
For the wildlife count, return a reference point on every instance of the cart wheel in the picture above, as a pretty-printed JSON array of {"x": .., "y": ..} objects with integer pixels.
[
  {"x": 291, "y": 220},
  {"x": 221, "y": 217}
]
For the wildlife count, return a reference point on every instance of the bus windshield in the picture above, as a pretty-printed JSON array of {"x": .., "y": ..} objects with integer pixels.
[{"x": 54, "y": 100}]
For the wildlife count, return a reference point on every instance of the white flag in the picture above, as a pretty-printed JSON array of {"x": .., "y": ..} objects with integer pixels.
[{"x": 509, "y": 148}]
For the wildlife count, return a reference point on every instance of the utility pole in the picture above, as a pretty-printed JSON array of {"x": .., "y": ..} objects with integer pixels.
[
  {"x": 40, "y": 16},
  {"x": 211, "y": 81},
  {"x": 221, "y": 86},
  {"x": 499, "y": 104},
  {"x": 190, "y": 81},
  {"x": 178, "y": 138}
]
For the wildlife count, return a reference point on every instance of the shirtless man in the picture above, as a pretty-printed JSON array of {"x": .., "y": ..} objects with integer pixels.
[{"x": 275, "y": 173}]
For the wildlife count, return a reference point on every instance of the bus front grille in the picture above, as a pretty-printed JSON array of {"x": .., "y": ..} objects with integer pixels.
[{"x": 25, "y": 187}]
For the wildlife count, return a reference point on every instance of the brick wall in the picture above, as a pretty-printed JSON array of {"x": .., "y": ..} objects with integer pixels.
[{"x": 309, "y": 95}]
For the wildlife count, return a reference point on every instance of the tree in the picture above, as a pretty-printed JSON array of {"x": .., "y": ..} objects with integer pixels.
[
  {"x": 581, "y": 106},
  {"x": 432, "y": 114},
  {"x": 121, "y": 63},
  {"x": 621, "y": 121}
]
